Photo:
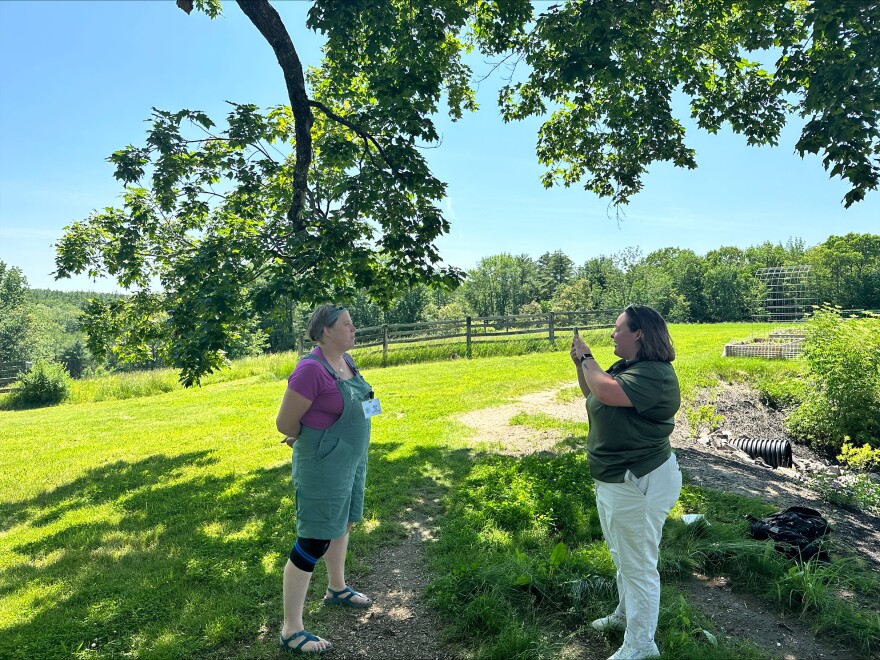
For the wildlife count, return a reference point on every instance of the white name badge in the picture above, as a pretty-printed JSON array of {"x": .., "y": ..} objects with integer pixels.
[{"x": 371, "y": 408}]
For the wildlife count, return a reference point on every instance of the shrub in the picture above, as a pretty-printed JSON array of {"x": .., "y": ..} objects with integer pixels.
[
  {"x": 863, "y": 458},
  {"x": 47, "y": 384},
  {"x": 703, "y": 417},
  {"x": 843, "y": 358}
]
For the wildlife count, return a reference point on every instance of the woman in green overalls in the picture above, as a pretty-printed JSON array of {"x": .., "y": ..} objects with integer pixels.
[{"x": 325, "y": 415}]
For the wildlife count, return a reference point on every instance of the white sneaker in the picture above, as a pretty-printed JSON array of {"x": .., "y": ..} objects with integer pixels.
[
  {"x": 614, "y": 621},
  {"x": 627, "y": 652}
]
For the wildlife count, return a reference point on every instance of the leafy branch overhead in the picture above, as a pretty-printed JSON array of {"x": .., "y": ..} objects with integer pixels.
[{"x": 331, "y": 193}]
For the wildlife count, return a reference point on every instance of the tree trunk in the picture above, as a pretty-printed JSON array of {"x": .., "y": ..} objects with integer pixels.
[{"x": 270, "y": 25}]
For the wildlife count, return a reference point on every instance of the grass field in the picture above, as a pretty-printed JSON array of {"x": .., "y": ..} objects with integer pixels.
[{"x": 157, "y": 525}]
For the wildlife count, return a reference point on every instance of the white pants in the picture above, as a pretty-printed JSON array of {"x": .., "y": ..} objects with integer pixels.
[{"x": 632, "y": 514}]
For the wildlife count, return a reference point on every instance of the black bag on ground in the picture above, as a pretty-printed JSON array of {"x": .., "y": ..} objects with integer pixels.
[{"x": 798, "y": 532}]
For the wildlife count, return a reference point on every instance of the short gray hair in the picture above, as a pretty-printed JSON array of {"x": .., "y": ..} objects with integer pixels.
[{"x": 324, "y": 316}]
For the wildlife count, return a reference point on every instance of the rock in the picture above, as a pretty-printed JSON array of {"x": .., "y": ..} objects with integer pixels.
[{"x": 742, "y": 455}]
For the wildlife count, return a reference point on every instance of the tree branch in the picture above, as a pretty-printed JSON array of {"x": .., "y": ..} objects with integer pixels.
[
  {"x": 363, "y": 134},
  {"x": 269, "y": 23}
]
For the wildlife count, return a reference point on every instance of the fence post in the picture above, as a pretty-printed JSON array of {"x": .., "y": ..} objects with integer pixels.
[
  {"x": 468, "y": 334},
  {"x": 385, "y": 345},
  {"x": 551, "y": 323}
]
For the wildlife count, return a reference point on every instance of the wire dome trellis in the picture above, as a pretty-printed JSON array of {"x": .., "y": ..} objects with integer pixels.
[
  {"x": 790, "y": 297},
  {"x": 790, "y": 294}
]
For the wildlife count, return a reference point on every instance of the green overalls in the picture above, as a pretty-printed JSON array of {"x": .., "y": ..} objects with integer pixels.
[{"x": 330, "y": 465}]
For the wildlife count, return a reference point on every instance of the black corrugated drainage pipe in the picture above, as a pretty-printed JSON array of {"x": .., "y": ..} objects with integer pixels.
[{"x": 776, "y": 453}]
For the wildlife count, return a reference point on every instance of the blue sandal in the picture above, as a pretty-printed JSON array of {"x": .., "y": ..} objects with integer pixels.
[
  {"x": 298, "y": 649},
  {"x": 344, "y": 597}
]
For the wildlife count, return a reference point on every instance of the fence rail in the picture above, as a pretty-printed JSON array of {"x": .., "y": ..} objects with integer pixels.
[
  {"x": 10, "y": 372},
  {"x": 478, "y": 329}
]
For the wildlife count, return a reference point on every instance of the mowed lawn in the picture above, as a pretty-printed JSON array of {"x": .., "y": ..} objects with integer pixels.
[{"x": 158, "y": 526}]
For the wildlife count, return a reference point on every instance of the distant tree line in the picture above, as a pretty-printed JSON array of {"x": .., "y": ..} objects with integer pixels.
[
  {"x": 76, "y": 328},
  {"x": 684, "y": 286},
  {"x": 42, "y": 324}
]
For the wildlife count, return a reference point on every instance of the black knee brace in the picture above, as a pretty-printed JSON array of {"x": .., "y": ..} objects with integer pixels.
[{"x": 307, "y": 552}]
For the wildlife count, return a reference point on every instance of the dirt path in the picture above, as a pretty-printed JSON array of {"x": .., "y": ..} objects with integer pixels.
[{"x": 401, "y": 625}]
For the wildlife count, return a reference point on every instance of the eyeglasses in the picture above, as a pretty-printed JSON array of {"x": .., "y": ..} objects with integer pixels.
[{"x": 633, "y": 313}]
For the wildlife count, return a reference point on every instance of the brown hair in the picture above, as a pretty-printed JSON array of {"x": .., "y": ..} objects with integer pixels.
[
  {"x": 655, "y": 344},
  {"x": 324, "y": 316}
]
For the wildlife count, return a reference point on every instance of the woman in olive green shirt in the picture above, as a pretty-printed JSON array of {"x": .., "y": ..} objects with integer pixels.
[{"x": 631, "y": 408}]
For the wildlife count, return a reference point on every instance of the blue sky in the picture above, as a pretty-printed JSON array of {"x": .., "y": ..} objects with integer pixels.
[{"x": 78, "y": 79}]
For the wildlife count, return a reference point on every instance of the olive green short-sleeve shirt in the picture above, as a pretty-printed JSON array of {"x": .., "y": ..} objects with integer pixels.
[{"x": 637, "y": 438}]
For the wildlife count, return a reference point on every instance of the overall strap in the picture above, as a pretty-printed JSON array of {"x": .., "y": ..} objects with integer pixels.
[
  {"x": 312, "y": 356},
  {"x": 350, "y": 362},
  {"x": 345, "y": 356}
]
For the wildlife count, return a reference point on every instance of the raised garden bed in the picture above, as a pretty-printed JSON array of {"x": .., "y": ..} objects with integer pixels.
[{"x": 780, "y": 347}]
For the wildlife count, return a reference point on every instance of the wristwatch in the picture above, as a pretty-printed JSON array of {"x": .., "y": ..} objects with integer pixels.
[{"x": 585, "y": 356}]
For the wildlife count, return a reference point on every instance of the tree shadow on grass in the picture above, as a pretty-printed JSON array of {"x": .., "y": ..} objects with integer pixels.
[
  {"x": 161, "y": 558},
  {"x": 98, "y": 486}
]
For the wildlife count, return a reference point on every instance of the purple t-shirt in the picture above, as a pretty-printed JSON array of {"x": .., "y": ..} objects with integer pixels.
[{"x": 311, "y": 380}]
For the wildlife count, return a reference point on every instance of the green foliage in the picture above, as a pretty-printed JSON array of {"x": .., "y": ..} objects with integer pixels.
[
  {"x": 516, "y": 535},
  {"x": 212, "y": 252},
  {"x": 58, "y": 315},
  {"x": 806, "y": 586},
  {"x": 46, "y": 384},
  {"x": 606, "y": 72},
  {"x": 843, "y": 357},
  {"x": 574, "y": 295},
  {"x": 77, "y": 359},
  {"x": 16, "y": 322},
  {"x": 864, "y": 458},
  {"x": 703, "y": 417},
  {"x": 555, "y": 269},
  {"x": 691, "y": 630},
  {"x": 500, "y": 285},
  {"x": 859, "y": 491},
  {"x": 847, "y": 270}
]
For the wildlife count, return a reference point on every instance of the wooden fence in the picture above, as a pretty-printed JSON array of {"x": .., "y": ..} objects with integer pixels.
[
  {"x": 10, "y": 372},
  {"x": 479, "y": 329}
]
